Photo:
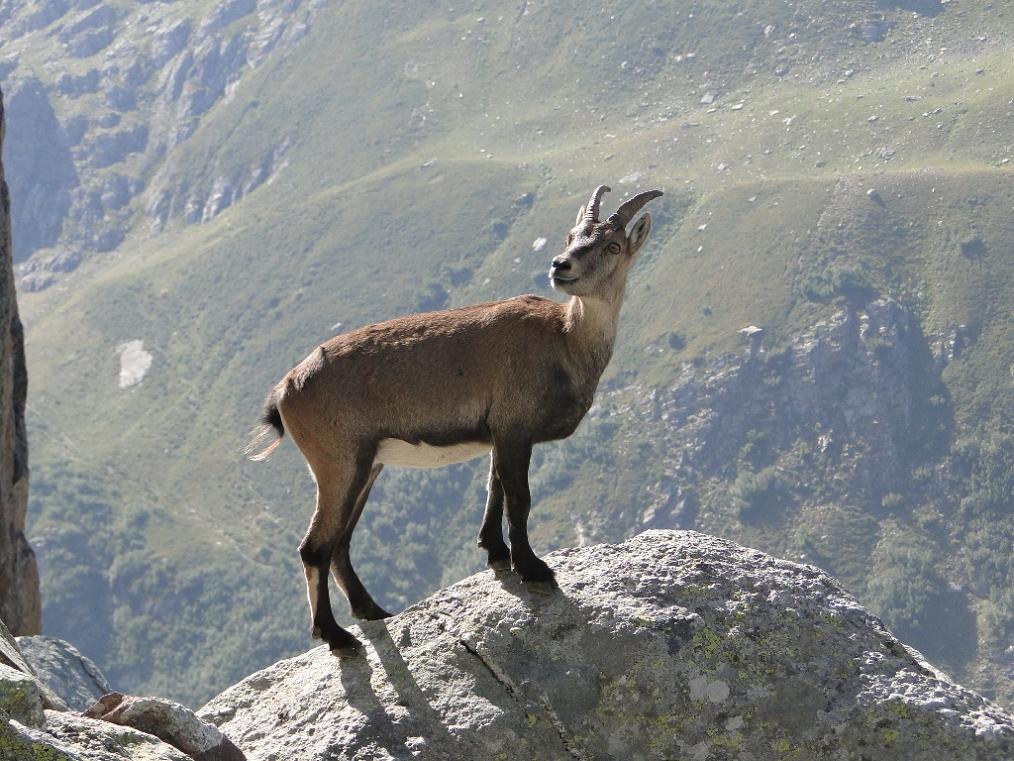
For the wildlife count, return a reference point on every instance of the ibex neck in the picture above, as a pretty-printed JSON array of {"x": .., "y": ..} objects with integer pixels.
[{"x": 591, "y": 329}]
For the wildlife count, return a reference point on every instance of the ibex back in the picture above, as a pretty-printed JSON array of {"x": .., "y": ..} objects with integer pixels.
[{"x": 437, "y": 388}]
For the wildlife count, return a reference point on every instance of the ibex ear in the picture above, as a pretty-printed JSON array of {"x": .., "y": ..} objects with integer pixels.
[
  {"x": 639, "y": 234},
  {"x": 580, "y": 216}
]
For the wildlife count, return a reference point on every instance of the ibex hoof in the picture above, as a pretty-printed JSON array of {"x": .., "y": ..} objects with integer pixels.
[
  {"x": 500, "y": 566},
  {"x": 347, "y": 651}
]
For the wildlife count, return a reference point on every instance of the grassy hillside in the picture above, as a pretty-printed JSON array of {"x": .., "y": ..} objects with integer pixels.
[{"x": 410, "y": 141}]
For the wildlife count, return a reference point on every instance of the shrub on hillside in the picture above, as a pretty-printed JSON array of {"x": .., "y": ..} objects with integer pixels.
[
  {"x": 757, "y": 494},
  {"x": 839, "y": 281}
]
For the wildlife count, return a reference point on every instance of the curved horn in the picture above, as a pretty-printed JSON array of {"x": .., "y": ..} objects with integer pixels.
[
  {"x": 622, "y": 216},
  {"x": 592, "y": 210}
]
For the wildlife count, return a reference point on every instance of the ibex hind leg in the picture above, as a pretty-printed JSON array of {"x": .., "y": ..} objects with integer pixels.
[
  {"x": 362, "y": 604},
  {"x": 339, "y": 484}
]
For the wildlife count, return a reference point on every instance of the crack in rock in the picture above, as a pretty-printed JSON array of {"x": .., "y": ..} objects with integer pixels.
[{"x": 525, "y": 705}]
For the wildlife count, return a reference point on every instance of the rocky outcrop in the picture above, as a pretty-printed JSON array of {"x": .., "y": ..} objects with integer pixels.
[
  {"x": 39, "y": 166},
  {"x": 59, "y": 665},
  {"x": 19, "y": 579},
  {"x": 36, "y": 723},
  {"x": 14, "y": 661},
  {"x": 671, "y": 645}
]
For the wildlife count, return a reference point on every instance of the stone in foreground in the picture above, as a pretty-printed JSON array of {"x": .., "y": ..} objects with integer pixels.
[
  {"x": 168, "y": 721},
  {"x": 671, "y": 645}
]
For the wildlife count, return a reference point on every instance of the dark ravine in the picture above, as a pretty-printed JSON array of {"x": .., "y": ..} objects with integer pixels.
[{"x": 20, "y": 606}]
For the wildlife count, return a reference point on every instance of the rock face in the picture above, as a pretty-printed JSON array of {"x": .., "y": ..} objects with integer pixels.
[
  {"x": 59, "y": 665},
  {"x": 19, "y": 579},
  {"x": 849, "y": 378},
  {"x": 671, "y": 645},
  {"x": 40, "y": 167}
]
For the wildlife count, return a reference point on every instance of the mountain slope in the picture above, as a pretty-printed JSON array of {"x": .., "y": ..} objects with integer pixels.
[{"x": 380, "y": 162}]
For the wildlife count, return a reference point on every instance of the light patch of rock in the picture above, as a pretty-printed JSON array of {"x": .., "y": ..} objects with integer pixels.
[
  {"x": 632, "y": 178},
  {"x": 134, "y": 363}
]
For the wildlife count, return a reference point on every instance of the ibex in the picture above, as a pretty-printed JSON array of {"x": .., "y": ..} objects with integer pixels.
[{"x": 438, "y": 388}]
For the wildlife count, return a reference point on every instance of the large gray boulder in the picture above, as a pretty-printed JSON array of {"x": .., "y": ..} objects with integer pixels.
[
  {"x": 18, "y": 677},
  {"x": 61, "y": 667},
  {"x": 671, "y": 645}
]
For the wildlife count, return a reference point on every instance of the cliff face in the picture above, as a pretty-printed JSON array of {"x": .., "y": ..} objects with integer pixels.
[
  {"x": 95, "y": 135},
  {"x": 19, "y": 579}
]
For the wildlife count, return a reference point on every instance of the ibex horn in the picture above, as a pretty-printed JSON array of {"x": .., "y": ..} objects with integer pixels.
[
  {"x": 622, "y": 216},
  {"x": 591, "y": 212}
]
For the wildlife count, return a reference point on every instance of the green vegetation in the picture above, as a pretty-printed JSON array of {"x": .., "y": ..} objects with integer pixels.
[
  {"x": 846, "y": 281},
  {"x": 758, "y": 493},
  {"x": 173, "y": 561}
]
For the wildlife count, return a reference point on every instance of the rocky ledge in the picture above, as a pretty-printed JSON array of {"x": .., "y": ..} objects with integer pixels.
[{"x": 671, "y": 645}]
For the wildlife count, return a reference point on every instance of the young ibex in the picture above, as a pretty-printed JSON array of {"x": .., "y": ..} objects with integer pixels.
[{"x": 434, "y": 389}]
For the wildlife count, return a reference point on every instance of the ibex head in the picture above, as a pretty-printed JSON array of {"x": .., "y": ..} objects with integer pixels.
[{"x": 597, "y": 252}]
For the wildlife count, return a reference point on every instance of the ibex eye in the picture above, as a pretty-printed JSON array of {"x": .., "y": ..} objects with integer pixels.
[{"x": 613, "y": 248}]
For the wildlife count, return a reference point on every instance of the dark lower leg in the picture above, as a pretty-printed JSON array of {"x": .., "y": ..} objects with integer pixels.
[
  {"x": 336, "y": 503},
  {"x": 323, "y": 625},
  {"x": 362, "y": 604},
  {"x": 512, "y": 463},
  {"x": 498, "y": 556}
]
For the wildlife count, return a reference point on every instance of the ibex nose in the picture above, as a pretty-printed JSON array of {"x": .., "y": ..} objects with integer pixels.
[{"x": 561, "y": 264}]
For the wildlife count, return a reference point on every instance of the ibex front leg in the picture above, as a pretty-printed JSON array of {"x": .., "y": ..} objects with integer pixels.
[
  {"x": 512, "y": 456},
  {"x": 498, "y": 556}
]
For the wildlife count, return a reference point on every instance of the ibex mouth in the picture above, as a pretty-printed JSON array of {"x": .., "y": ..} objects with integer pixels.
[{"x": 559, "y": 279}]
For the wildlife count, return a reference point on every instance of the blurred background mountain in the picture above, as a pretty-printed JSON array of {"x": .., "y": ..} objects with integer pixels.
[{"x": 816, "y": 356}]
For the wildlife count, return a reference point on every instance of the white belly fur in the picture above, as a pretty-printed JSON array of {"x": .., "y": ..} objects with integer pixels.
[{"x": 398, "y": 452}]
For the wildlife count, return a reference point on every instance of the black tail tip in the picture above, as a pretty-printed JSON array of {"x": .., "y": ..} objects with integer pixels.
[{"x": 273, "y": 418}]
